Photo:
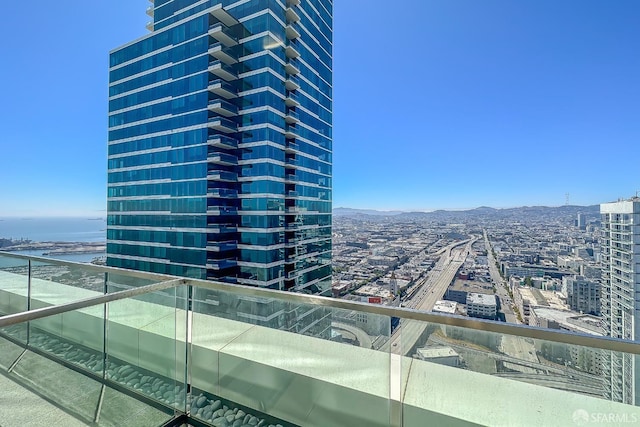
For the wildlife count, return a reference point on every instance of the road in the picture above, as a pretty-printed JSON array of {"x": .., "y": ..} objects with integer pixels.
[
  {"x": 501, "y": 286},
  {"x": 434, "y": 287}
]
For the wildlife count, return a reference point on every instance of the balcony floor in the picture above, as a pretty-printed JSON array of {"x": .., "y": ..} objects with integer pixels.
[{"x": 40, "y": 386}]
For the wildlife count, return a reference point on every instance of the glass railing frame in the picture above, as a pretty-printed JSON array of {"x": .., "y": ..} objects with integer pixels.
[{"x": 167, "y": 281}]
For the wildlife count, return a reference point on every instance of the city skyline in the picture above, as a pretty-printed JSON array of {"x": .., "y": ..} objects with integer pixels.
[{"x": 503, "y": 104}]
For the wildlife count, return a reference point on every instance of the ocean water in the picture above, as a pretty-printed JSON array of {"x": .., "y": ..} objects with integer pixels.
[{"x": 54, "y": 229}]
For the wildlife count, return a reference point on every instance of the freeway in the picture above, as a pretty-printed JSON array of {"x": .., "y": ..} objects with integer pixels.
[{"x": 407, "y": 335}]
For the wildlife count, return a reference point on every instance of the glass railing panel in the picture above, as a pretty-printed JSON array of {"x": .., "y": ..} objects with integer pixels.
[
  {"x": 146, "y": 350},
  {"x": 119, "y": 282},
  {"x": 55, "y": 283},
  {"x": 57, "y": 382},
  {"x": 297, "y": 363},
  {"x": 496, "y": 373},
  {"x": 14, "y": 284},
  {"x": 75, "y": 337}
]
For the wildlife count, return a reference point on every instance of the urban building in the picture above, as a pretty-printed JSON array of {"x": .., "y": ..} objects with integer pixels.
[
  {"x": 220, "y": 144},
  {"x": 582, "y": 295},
  {"x": 620, "y": 290},
  {"x": 482, "y": 305},
  {"x": 460, "y": 289},
  {"x": 444, "y": 306},
  {"x": 441, "y": 355}
]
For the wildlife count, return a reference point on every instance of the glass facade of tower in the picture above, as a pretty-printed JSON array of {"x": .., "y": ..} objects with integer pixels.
[{"x": 220, "y": 142}]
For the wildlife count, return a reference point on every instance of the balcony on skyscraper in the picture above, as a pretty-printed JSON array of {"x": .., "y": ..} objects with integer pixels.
[
  {"x": 222, "y": 175},
  {"x": 290, "y": 131},
  {"x": 224, "y": 246},
  {"x": 222, "y": 88},
  {"x": 222, "y": 107},
  {"x": 292, "y": 82},
  {"x": 292, "y": 66},
  {"x": 87, "y": 345},
  {"x": 292, "y": 15},
  {"x": 222, "y": 141},
  {"x": 224, "y": 54},
  {"x": 223, "y": 159},
  {"x": 222, "y": 70},
  {"x": 291, "y": 116},
  {"x": 223, "y": 125},
  {"x": 221, "y": 211},
  {"x": 221, "y": 32},
  {"x": 291, "y": 31}
]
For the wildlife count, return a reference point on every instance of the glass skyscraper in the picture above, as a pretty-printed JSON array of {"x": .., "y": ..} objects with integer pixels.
[{"x": 220, "y": 142}]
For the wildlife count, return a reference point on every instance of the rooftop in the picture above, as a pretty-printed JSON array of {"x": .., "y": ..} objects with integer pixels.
[
  {"x": 483, "y": 299},
  {"x": 443, "y": 306}
]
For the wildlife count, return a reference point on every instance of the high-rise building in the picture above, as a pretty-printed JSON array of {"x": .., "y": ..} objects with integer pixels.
[
  {"x": 220, "y": 144},
  {"x": 620, "y": 293},
  {"x": 583, "y": 295}
]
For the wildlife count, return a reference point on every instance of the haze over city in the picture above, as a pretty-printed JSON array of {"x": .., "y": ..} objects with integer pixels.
[{"x": 492, "y": 103}]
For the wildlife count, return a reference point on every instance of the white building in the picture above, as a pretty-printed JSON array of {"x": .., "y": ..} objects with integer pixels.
[
  {"x": 443, "y": 306},
  {"x": 441, "y": 355},
  {"x": 621, "y": 293},
  {"x": 482, "y": 305}
]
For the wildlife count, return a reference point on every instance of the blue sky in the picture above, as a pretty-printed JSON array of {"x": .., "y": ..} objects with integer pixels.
[{"x": 437, "y": 104}]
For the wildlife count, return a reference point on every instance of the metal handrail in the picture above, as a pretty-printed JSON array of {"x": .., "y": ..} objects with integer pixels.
[
  {"x": 26, "y": 316},
  {"x": 602, "y": 343},
  {"x": 156, "y": 277}
]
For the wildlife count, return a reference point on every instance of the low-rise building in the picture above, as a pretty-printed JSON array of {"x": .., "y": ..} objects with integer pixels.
[
  {"x": 448, "y": 307},
  {"x": 441, "y": 355},
  {"x": 482, "y": 305},
  {"x": 459, "y": 290}
]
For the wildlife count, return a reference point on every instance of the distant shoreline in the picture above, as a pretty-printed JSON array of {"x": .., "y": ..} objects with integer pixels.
[{"x": 60, "y": 248}]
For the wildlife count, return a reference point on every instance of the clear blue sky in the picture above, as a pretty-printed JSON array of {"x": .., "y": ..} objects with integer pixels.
[{"x": 437, "y": 104}]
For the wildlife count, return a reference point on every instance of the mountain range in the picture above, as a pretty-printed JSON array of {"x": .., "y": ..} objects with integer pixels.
[{"x": 592, "y": 211}]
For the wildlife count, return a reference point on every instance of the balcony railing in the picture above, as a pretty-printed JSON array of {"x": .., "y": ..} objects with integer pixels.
[
  {"x": 292, "y": 100},
  {"x": 292, "y": 32},
  {"x": 222, "y": 141},
  {"x": 224, "y": 54},
  {"x": 228, "y": 245},
  {"x": 222, "y": 210},
  {"x": 290, "y": 131},
  {"x": 222, "y": 70},
  {"x": 292, "y": 117},
  {"x": 222, "y": 107},
  {"x": 222, "y": 159},
  {"x": 222, "y": 176},
  {"x": 292, "y": 15},
  {"x": 292, "y": 83},
  {"x": 222, "y": 88},
  {"x": 221, "y": 32},
  {"x": 291, "y": 147},
  {"x": 223, "y": 125},
  {"x": 222, "y": 193},
  {"x": 89, "y": 344}
]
